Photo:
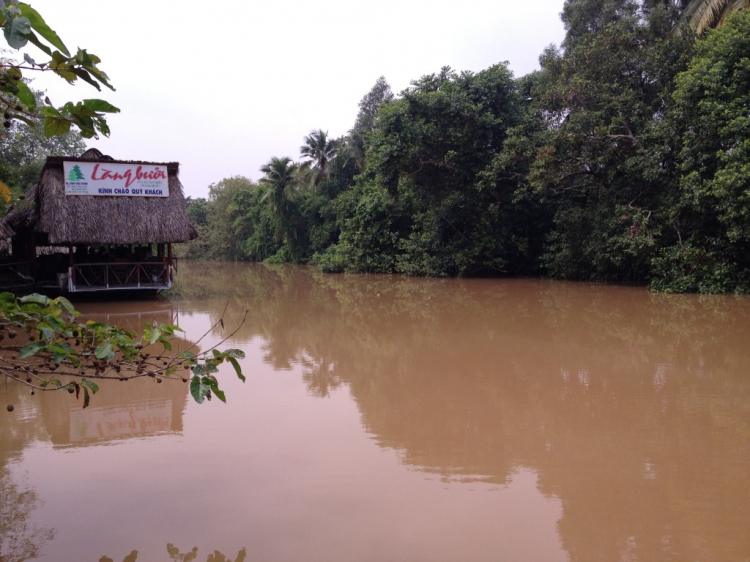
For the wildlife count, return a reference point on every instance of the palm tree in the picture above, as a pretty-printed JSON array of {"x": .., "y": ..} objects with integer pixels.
[
  {"x": 700, "y": 15},
  {"x": 354, "y": 148},
  {"x": 319, "y": 149},
  {"x": 280, "y": 183}
]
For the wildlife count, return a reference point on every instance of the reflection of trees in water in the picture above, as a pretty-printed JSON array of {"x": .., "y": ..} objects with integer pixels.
[
  {"x": 319, "y": 375},
  {"x": 630, "y": 406},
  {"x": 189, "y": 556},
  {"x": 20, "y": 539}
]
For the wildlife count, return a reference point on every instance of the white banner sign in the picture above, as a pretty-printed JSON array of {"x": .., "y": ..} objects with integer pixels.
[{"x": 103, "y": 178}]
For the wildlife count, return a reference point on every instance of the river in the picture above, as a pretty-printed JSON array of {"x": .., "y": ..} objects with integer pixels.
[{"x": 394, "y": 419}]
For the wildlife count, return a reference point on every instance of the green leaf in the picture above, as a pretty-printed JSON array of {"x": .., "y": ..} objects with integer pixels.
[
  {"x": 60, "y": 348},
  {"x": 92, "y": 385},
  {"x": 154, "y": 336},
  {"x": 86, "y": 398},
  {"x": 86, "y": 77},
  {"x": 30, "y": 349},
  {"x": 237, "y": 369},
  {"x": 40, "y": 26},
  {"x": 36, "y": 298},
  {"x": 25, "y": 95},
  {"x": 238, "y": 353},
  {"x": 199, "y": 389},
  {"x": 16, "y": 31},
  {"x": 103, "y": 350},
  {"x": 47, "y": 332},
  {"x": 7, "y": 297},
  {"x": 34, "y": 40},
  {"x": 216, "y": 390},
  {"x": 48, "y": 110},
  {"x": 101, "y": 105},
  {"x": 66, "y": 304},
  {"x": 199, "y": 370},
  {"x": 56, "y": 126}
]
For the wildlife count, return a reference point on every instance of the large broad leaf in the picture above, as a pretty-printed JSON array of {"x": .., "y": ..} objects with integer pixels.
[
  {"x": 16, "y": 31},
  {"x": 30, "y": 349},
  {"x": 36, "y": 298},
  {"x": 40, "y": 26},
  {"x": 56, "y": 126},
  {"x": 24, "y": 94},
  {"x": 154, "y": 336},
  {"x": 101, "y": 105},
  {"x": 199, "y": 388},
  {"x": 103, "y": 350},
  {"x": 66, "y": 304}
]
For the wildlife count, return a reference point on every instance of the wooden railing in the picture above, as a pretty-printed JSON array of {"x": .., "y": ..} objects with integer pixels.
[{"x": 119, "y": 275}]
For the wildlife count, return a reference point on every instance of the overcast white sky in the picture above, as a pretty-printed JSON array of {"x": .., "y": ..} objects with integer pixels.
[{"x": 223, "y": 86}]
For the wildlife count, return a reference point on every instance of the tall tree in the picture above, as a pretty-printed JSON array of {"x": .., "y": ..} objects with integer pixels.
[
  {"x": 370, "y": 104},
  {"x": 600, "y": 158},
  {"x": 281, "y": 181},
  {"x": 319, "y": 149}
]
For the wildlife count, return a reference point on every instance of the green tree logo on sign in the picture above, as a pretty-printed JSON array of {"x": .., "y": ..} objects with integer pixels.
[{"x": 75, "y": 174}]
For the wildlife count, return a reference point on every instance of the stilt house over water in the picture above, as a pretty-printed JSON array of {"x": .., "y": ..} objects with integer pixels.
[{"x": 93, "y": 223}]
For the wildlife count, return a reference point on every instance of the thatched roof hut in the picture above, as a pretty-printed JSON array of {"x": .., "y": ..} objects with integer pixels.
[{"x": 60, "y": 219}]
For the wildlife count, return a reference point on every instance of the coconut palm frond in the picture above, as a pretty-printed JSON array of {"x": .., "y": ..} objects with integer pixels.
[
  {"x": 701, "y": 15},
  {"x": 319, "y": 149}
]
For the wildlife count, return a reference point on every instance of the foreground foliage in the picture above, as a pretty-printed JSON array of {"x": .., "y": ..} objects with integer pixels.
[
  {"x": 56, "y": 353},
  {"x": 22, "y": 25}
]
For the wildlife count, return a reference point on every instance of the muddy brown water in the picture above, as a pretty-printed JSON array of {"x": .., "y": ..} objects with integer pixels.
[{"x": 399, "y": 419}]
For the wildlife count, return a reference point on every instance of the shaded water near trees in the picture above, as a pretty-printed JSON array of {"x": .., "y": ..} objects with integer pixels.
[{"x": 394, "y": 419}]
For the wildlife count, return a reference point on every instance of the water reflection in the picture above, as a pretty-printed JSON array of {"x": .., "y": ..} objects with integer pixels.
[
  {"x": 631, "y": 407},
  {"x": 122, "y": 410},
  {"x": 20, "y": 538},
  {"x": 390, "y": 418},
  {"x": 189, "y": 556}
]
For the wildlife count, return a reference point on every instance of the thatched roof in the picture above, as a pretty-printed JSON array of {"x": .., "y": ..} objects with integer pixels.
[
  {"x": 5, "y": 230},
  {"x": 70, "y": 220}
]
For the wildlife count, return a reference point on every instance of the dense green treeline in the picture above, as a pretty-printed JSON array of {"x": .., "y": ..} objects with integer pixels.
[{"x": 625, "y": 158}]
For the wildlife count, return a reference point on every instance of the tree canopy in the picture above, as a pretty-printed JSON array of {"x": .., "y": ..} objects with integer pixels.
[{"x": 622, "y": 159}]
